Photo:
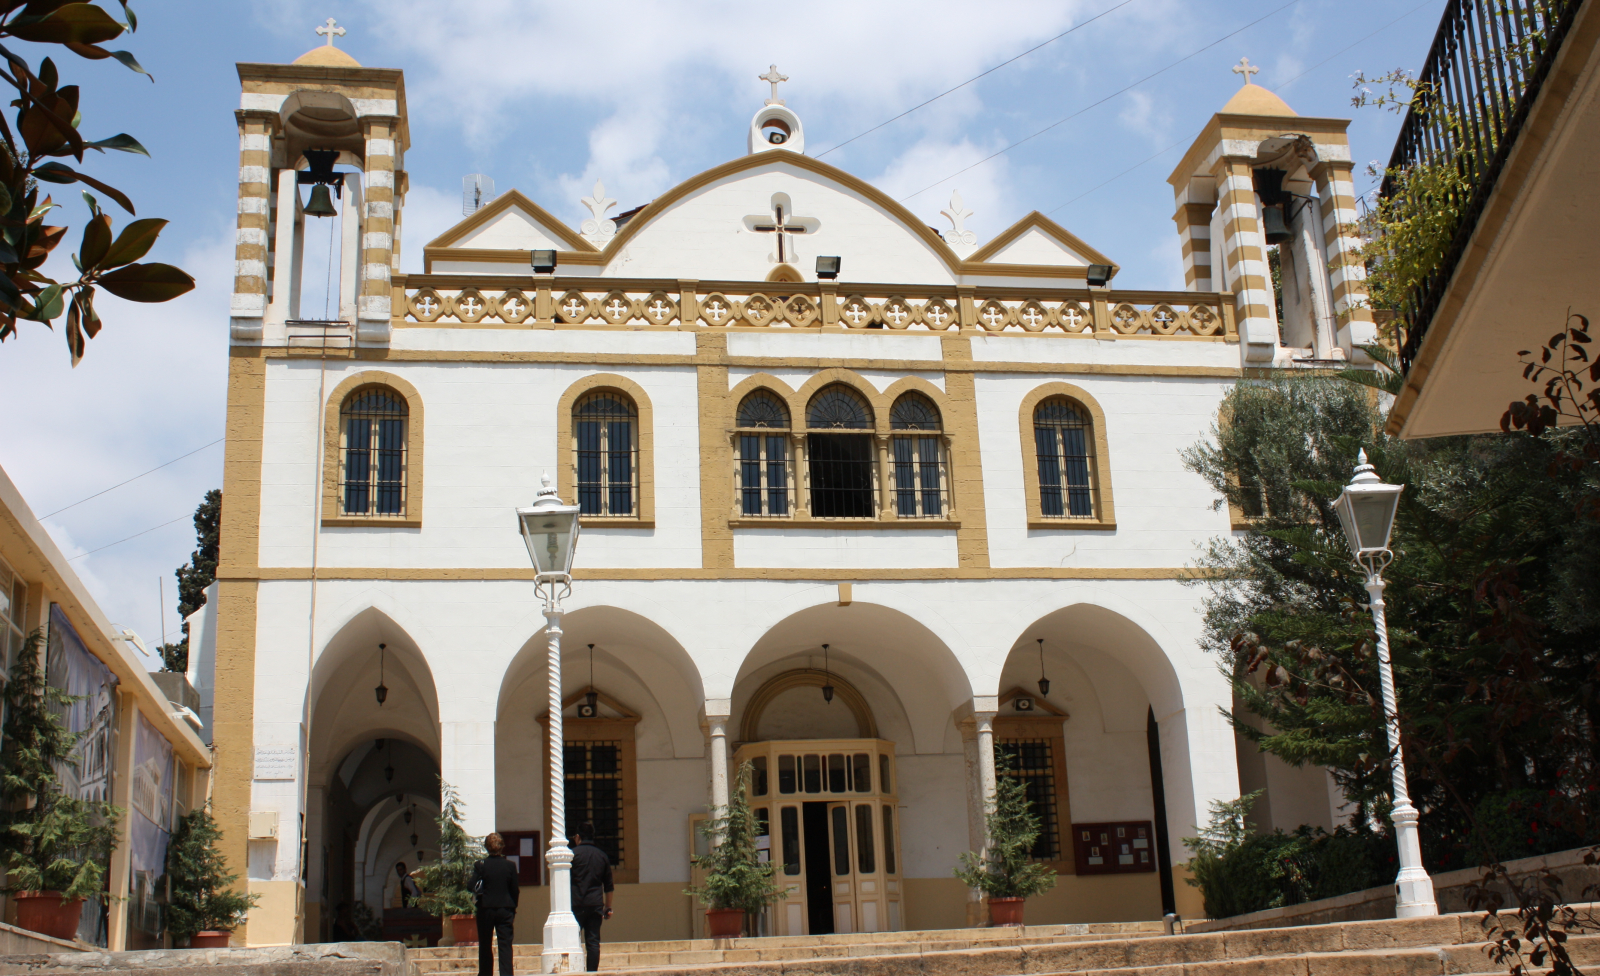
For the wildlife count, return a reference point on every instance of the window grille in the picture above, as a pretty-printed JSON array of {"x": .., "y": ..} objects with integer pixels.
[
  {"x": 593, "y": 775},
  {"x": 605, "y": 429},
  {"x": 919, "y": 475},
  {"x": 374, "y": 478},
  {"x": 763, "y": 455},
  {"x": 1033, "y": 762},
  {"x": 1063, "y": 436},
  {"x": 840, "y": 464}
]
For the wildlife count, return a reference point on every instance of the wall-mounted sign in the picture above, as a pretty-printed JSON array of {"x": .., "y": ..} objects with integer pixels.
[
  {"x": 277, "y": 762},
  {"x": 1114, "y": 848}
]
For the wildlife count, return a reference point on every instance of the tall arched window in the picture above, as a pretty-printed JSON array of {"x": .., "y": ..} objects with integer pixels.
[
  {"x": 372, "y": 422},
  {"x": 605, "y": 432},
  {"x": 917, "y": 444},
  {"x": 839, "y": 449},
  {"x": 763, "y": 435},
  {"x": 1064, "y": 439}
]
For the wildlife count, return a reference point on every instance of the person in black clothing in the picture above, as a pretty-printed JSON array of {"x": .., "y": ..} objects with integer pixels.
[
  {"x": 591, "y": 889},
  {"x": 494, "y": 883}
]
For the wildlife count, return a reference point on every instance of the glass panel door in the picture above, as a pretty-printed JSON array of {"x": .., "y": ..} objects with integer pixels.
[{"x": 842, "y": 865}]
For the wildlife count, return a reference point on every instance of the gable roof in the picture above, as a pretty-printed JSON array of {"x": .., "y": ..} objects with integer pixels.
[
  {"x": 509, "y": 200},
  {"x": 1036, "y": 221}
]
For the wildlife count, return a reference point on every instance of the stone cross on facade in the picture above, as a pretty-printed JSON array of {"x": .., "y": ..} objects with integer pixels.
[
  {"x": 772, "y": 78},
  {"x": 1244, "y": 67},
  {"x": 780, "y": 225},
  {"x": 330, "y": 29}
]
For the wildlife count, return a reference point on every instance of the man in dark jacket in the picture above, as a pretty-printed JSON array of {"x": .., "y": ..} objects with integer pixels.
[
  {"x": 591, "y": 889},
  {"x": 494, "y": 882}
]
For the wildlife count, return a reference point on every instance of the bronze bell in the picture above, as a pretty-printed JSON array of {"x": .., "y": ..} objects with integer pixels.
[
  {"x": 321, "y": 204},
  {"x": 1272, "y": 225}
]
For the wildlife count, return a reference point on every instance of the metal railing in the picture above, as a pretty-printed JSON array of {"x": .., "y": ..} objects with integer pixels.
[{"x": 1488, "y": 62}]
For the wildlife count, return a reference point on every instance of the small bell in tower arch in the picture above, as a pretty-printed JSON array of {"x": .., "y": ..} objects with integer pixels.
[
  {"x": 1273, "y": 226},
  {"x": 321, "y": 203}
]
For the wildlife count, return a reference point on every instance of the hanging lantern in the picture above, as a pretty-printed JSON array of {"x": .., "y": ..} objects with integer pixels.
[
  {"x": 591, "y": 699},
  {"x": 382, "y": 691},
  {"x": 827, "y": 679},
  {"x": 1044, "y": 683},
  {"x": 414, "y": 842}
]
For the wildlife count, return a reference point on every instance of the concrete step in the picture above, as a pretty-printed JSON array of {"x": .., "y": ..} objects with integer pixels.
[{"x": 325, "y": 959}]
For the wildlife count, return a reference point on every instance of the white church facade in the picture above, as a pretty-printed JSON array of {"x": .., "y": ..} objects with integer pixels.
[{"x": 940, "y": 481}]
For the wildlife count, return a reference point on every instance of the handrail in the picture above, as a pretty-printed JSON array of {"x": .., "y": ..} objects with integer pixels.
[{"x": 1487, "y": 64}]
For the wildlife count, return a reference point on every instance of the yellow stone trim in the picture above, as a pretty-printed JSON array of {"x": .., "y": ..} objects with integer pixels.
[
  {"x": 506, "y": 201},
  {"x": 240, "y": 533},
  {"x": 960, "y": 408},
  {"x": 798, "y": 521},
  {"x": 844, "y": 691},
  {"x": 233, "y": 725},
  {"x": 1099, "y": 467},
  {"x": 479, "y": 574},
  {"x": 1033, "y": 220},
  {"x": 566, "y": 462},
  {"x": 332, "y": 515}
]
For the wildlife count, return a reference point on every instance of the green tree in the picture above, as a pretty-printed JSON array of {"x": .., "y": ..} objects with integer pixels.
[
  {"x": 195, "y": 575},
  {"x": 202, "y": 897},
  {"x": 1007, "y": 868},
  {"x": 45, "y": 131},
  {"x": 736, "y": 877},
  {"x": 51, "y": 841},
  {"x": 444, "y": 882},
  {"x": 1493, "y": 619}
]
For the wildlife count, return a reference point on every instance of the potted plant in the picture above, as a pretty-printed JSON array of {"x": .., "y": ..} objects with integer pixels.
[
  {"x": 444, "y": 881},
  {"x": 204, "y": 908},
  {"x": 738, "y": 884},
  {"x": 1006, "y": 871},
  {"x": 55, "y": 846}
]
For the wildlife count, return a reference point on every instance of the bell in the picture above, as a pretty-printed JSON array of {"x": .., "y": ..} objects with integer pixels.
[
  {"x": 321, "y": 204},
  {"x": 1272, "y": 223}
]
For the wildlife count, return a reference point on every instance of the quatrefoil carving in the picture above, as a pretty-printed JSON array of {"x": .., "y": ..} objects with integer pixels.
[
  {"x": 616, "y": 308},
  {"x": 759, "y": 310},
  {"x": 659, "y": 309},
  {"x": 1126, "y": 319},
  {"x": 800, "y": 311},
  {"x": 855, "y": 313},
  {"x": 574, "y": 308},
  {"x": 715, "y": 309},
  {"x": 513, "y": 306},
  {"x": 469, "y": 305},
  {"x": 426, "y": 305},
  {"x": 993, "y": 316},
  {"x": 938, "y": 315}
]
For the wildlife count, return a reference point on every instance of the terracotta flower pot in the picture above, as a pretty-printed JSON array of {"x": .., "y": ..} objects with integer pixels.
[
  {"x": 465, "y": 929},
  {"x": 49, "y": 913},
  {"x": 1005, "y": 911},
  {"x": 210, "y": 939},
  {"x": 725, "y": 923}
]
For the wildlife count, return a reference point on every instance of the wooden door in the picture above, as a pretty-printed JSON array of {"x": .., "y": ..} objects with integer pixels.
[
  {"x": 788, "y": 843},
  {"x": 842, "y": 866},
  {"x": 871, "y": 910}
]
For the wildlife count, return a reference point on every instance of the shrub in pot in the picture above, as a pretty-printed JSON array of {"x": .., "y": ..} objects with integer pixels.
[
  {"x": 204, "y": 909},
  {"x": 738, "y": 884},
  {"x": 1006, "y": 871},
  {"x": 445, "y": 882},
  {"x": 55, "y": 847}
]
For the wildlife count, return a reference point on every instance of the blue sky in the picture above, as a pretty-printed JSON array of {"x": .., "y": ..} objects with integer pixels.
[{"x": 546, "y": 97}]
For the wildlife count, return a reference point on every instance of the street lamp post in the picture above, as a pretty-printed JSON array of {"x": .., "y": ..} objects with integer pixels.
[
  {"x": 550, "y": 530},
  {"x": 1366, "y": 510}
]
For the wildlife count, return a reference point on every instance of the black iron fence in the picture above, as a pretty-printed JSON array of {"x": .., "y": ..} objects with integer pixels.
[{"x": 1488, "y": 62}]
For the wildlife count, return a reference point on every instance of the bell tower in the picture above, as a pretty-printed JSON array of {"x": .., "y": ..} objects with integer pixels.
[
  {"x": 1260, "y": 177},
  {"x": 326, "y": 124}
]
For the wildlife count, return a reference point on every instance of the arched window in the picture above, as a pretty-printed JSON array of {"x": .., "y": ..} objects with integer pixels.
[
  {"x": 1064, "y": 438},
  {"x": 917, "y": 444},
  {"x": 372, "y": 423},
  {"x": 839, "y": 448},
  {"x": 605, "y": 432},
  {"x": 763, "y": 437}
]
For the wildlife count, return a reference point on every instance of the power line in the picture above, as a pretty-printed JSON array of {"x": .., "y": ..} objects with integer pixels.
[
  {"x": 1278, "y": 87},
  {"x": 974, "y": 78},
  {"x": 134, "y": 536},
  {"x": 132, "y": 479},
  {"x": 1102, "y": 101}
]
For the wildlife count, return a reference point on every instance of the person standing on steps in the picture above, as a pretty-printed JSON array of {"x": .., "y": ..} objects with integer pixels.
[
  {"x": 591, "y": 889},
  {"x": 494, "y": 884}
]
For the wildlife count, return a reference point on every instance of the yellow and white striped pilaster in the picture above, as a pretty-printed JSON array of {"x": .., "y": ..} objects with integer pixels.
[
  {"x": 1341, "y": 237},
  {"x": 249, "y": 302},
  {"x": 378, "y": 229},
  {"x": 1194, "y": 232},
  {"x": 1244, "y": 254}
]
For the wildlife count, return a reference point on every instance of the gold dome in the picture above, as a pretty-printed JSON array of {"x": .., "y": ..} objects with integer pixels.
[
  {"x": 328, "y": 56},
  {"x": 1255, "y": 100}
]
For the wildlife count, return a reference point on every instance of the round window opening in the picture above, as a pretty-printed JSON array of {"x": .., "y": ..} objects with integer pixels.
[{"x": 775, "y": 131}]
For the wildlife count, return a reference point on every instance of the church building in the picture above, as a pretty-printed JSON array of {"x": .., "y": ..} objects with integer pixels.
[{"x": 864, "y": 504}]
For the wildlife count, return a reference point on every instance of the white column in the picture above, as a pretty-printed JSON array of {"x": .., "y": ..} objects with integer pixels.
[
  {"x": 466, "y": 762},
  {"x": 350, "y": 247},
  {"x": 717, "y": 716},
  {"x": 286, "y": 251},
  {"x": 979, "y": 736}
]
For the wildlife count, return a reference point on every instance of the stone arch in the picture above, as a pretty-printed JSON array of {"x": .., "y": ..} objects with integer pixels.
[{"x": 789, "y": 681}]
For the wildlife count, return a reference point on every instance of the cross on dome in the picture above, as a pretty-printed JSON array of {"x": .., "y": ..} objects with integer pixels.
[
  {"x": 772, "y": 78},
  {"x": 331, "y": 28},
  {"x": 1244, "y": 67}
]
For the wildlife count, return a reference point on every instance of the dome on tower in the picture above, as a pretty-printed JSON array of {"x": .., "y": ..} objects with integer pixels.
[
  {"x": 328, "y": 56},
  {"x": 1255, "y": 100}
]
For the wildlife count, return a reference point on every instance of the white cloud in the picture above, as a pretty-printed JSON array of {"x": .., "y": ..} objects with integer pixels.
[{"x": 984, "y": 190}]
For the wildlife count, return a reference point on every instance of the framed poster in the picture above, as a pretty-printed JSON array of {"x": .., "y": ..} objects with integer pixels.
[{"x": 1122, "y": 847}]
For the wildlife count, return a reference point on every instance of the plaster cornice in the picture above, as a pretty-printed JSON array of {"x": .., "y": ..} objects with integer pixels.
[{"x": 1033, "y": 220}]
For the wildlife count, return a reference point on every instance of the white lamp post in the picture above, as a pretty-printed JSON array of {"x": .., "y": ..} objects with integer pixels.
[
  {"x": 550, "y": 530},
  {"x": 1366, "y": 509}
]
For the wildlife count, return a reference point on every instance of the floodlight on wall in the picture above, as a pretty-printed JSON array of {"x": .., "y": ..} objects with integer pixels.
[
  {"x": 1099, "y": 275},
  {"x": 1044, "y": 683},
  {"x": 827, "y": 678},
  {"x": 382, "y": 691},
  {"x": 828, "y": 266},
  {"x": 544, "y": 262}
]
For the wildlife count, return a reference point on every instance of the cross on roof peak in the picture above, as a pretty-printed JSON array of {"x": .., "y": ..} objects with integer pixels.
[
  {"x": 331, "y": 28},
  {"x": 772, "y": 78},
  {"x": 1244, "y": 67}
]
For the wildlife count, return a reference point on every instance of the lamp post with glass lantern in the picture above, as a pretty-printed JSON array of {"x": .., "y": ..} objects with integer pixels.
[
  {"x": 550, "y": 530},
  {"x": 1366, "y": 510}
]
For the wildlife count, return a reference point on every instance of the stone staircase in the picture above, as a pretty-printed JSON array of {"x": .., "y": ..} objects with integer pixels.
[{"x": 1447, "y": 945}]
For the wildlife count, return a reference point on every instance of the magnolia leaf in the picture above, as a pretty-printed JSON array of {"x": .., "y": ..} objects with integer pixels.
[
  {"x": 134, "y": 242},
  {"x": 96, "y": 242},
  {"x": 128, "y": 60},
  {"x": 48, "y": 305},
  {"x": 121, "y": 141},
  {"x": 62, "y": 173},
  {"x": 80, "y": 23},
  {"x": 147, "y": 282}
]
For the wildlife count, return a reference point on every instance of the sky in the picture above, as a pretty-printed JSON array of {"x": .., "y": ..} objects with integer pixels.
[{"x": 548, "y": 97}]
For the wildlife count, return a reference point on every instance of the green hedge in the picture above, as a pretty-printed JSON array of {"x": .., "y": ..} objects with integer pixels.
[{"x": 1277, "y": 869}]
